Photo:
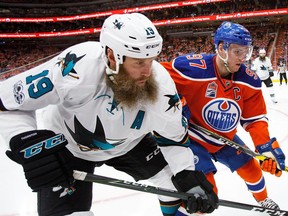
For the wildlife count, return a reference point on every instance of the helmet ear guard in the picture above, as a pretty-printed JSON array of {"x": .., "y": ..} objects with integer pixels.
[{"x": 132, "y": 35}]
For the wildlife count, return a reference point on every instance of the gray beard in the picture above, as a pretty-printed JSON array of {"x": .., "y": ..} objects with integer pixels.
[
  {"x": 262, "y": 58},
  {"x": 129, "y": 94}
]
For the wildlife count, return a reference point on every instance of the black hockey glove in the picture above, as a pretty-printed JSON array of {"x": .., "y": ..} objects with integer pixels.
[
  {"x": 271, "y": 73},
  {"x": 203, "y": 199},
  {"x": 44, "y": 157}
]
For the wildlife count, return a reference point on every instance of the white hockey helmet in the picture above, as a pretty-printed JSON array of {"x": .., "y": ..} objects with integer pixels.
[
  {"x": 262, "y": 52},
  {"x": 132, "y": 35}
]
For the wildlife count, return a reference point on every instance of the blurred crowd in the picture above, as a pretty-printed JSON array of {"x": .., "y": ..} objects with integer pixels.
[
  {"x": 166, "y": 13},
  {"x": 17, "y": 56}
]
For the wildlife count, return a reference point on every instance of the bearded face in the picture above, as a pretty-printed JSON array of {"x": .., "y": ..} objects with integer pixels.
[
  {"x": 130, "y": 91},
  {"x": 262, "y": 57}
]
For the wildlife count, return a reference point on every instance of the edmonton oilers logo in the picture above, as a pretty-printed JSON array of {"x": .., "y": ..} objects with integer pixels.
[{"x": 222, "y": 114}]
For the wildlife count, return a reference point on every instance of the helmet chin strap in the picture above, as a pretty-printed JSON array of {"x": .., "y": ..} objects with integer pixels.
[
  {"x": 224, "y": 60},
  {"x": 110, "y": 73}
]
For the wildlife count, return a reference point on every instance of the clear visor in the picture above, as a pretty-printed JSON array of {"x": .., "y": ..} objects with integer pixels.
[{"x": 244, "y": 52}]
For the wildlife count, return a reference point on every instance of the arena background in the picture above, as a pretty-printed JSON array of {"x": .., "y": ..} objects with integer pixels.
[{"x": 32, "y": 32}]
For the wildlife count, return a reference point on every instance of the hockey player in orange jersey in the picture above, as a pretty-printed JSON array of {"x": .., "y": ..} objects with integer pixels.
[{"x": 221, "y": 93}]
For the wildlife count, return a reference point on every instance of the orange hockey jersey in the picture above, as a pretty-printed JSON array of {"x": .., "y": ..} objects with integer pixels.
[{"x": 220, "y": 104}]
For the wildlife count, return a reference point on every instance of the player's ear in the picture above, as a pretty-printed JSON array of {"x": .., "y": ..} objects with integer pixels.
[
  {"x": 220, "y": 47},
  {"x": 221, "y": 50},
  {"x": 111, "y": 58},
  {"x": 110, "y": 55}
]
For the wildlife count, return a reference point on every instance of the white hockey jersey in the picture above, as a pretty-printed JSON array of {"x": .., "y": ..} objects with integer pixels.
[
  {"x": 282, "y": 69},
  {"x": 79, "y": 104},
  {"x": 262, "y": 68}
]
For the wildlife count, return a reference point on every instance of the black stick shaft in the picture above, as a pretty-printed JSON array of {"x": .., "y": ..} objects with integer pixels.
[
  {"x": 83, "y": 176},
  {"x": 130, "y": 185}
]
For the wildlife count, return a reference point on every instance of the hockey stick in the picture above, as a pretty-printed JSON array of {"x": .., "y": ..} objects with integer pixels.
[
  {"x": 231, "y": 143},
  {"x": 83, "y": 176}
]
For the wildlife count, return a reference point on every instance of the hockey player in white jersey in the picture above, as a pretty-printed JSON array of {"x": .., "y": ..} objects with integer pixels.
[
  {"x": 263, "y": 67},
  {"x": 106, "y": 103},
  {"x": 281, "y": 70}
]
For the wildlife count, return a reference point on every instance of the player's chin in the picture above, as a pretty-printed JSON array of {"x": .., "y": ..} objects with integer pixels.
[{"x": 236, "y": 67}]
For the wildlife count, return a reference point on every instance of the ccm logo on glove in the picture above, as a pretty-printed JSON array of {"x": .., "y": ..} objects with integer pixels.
[
  {"x": 45, "y": 159},
  {"x": 47, "y": 144}
]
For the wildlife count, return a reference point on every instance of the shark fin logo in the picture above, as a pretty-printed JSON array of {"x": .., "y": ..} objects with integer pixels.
[
  {"x": 67, "y": 65},
  {"x": 118, "y": 24},
  {"x": 262, "y": 67},
  {"x": 174, "y": 101},
  {"x": 89, "y": 141}
]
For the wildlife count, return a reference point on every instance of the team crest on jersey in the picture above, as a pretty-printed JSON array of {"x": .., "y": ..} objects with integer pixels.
[
  {"x": 67, "y": 65},
  {"x": 114, "y": 106},
  {"x": 174, "y": 101},
  {"x": 89, "y": 141},
  {"x": 222, "y": 114},
  {"x": 211, "y": 90},
  {"x": 262, "y": 67}
]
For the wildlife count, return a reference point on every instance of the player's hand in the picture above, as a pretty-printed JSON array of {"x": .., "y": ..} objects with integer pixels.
[
  {"x": 276, "y": 162},
  {"x": 203, "y": 199},
  {"x": 44, "y": 157}
]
